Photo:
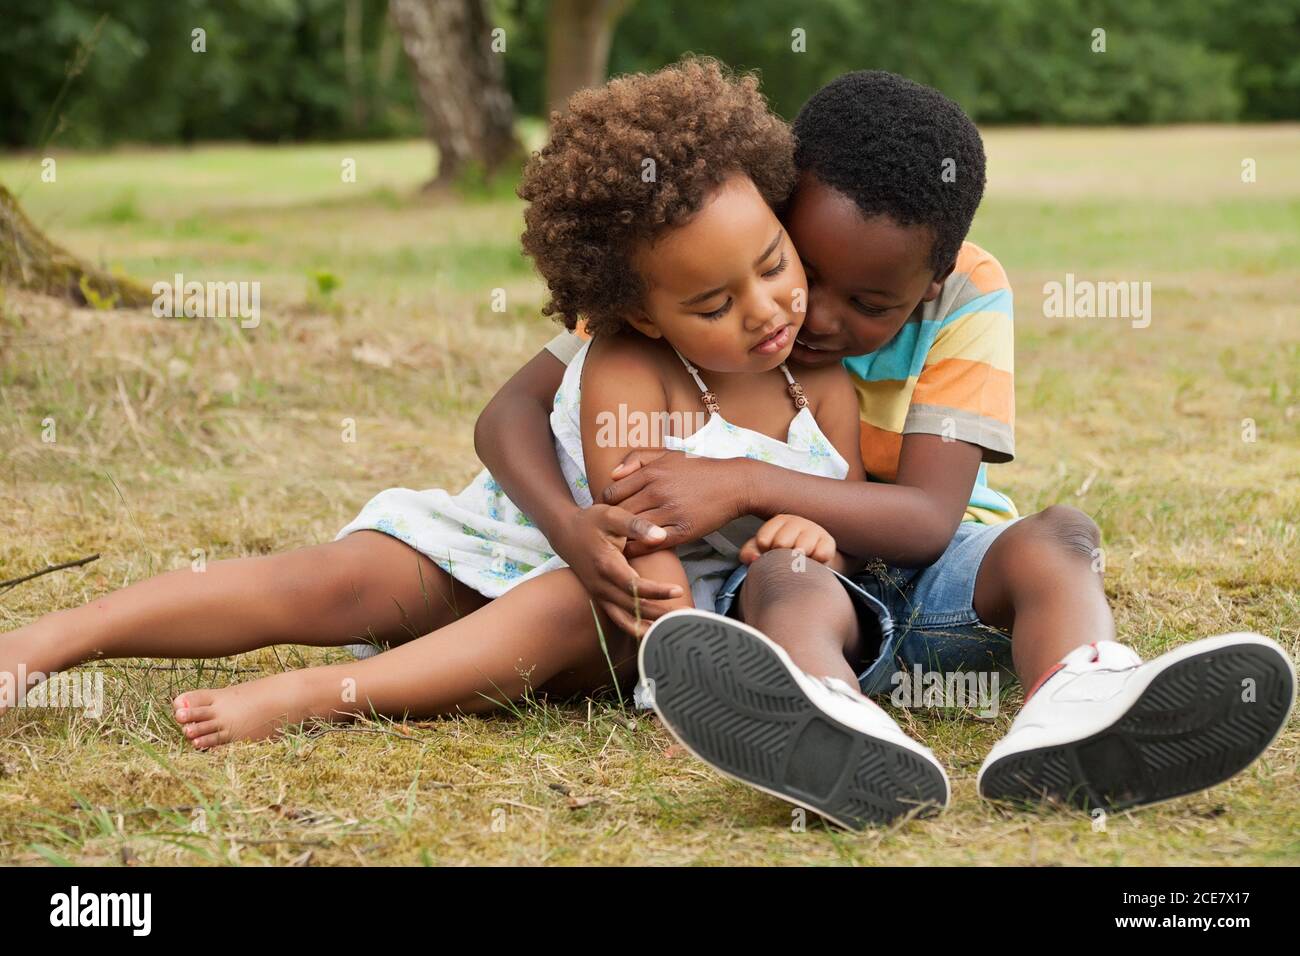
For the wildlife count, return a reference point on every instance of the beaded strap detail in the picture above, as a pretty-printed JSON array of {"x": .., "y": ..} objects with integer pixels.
[{"x": 711, "y": 401}]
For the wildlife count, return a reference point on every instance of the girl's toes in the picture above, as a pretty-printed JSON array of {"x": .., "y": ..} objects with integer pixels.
[
  {"x": 193, "y": 714},
  {"x": 196, "y": 731},
  {"x": 191, "y": 699},
  {"x": 215, "y": 739}
]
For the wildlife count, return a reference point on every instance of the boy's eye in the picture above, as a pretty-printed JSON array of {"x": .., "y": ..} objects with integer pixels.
[
  {"x": 866, "y": 309},
  {"x": 716, "y": 313},
  {"x": 777, "y": 269}
]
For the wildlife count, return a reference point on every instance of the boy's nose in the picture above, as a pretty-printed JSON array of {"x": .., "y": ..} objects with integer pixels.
[{"x": 820, "y": 319}]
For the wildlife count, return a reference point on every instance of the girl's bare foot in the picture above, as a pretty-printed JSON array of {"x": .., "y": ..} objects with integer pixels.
[{"x": 257, "y": 709}]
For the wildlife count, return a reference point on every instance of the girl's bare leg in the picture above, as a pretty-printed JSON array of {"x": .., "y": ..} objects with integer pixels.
[
  {"x": 542, "y": 635},
  {"x": 365, "y": 586}
]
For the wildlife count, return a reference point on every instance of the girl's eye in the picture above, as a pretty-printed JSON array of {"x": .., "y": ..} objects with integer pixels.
[
  {"x": 777, "y": 269},
  {"x": 716, "y": 313},
  {"x": 866, "y": 309}
]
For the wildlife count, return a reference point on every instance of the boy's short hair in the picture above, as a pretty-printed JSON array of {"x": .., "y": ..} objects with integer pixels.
[
  {"x": 884, "y": 141},
  {"x": 593, "y": 196}
]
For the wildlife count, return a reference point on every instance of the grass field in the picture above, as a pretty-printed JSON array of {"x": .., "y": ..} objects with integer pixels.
[{"x": 177, "y": 435}]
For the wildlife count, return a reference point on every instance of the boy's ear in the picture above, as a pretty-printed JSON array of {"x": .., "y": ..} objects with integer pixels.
[{"x": 936, "y": 284}]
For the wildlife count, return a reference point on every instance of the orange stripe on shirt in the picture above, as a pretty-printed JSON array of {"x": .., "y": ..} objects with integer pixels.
[
  {"x": 985, "y": 272},
  {"x": 880, "y": 451},
  {"x": 975, "y": 387}
]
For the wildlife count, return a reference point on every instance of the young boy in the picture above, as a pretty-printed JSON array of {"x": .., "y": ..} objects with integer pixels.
[{"x": 891, "y": 174}]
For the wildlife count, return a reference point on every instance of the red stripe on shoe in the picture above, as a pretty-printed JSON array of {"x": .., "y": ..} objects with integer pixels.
[{"x": 1043, "y": 680}]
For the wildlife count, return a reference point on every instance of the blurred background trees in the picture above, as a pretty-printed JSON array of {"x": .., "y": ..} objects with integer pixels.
[
  {"x": 460, "y": 78},
  {"x": 292, "y": 70},
  {"x": 578, "y": 38}
]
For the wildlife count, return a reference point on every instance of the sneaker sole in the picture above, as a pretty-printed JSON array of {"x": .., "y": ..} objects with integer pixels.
[
  {"x": 1188, "y": 730},
  {"x": 733, "y": 703}
]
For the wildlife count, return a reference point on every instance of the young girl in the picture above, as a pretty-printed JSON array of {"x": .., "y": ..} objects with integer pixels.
[{"x": 651, "y": 220}]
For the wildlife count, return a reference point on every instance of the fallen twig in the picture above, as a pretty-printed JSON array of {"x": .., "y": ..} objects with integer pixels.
[{"x": 13, "y": 582}]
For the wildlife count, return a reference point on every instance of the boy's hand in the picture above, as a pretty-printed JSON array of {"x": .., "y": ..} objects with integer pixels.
[
  {"x": 794, "y": 532},
  {"x": 593, "y": 546},
  {"x": 686, "y": 495}
]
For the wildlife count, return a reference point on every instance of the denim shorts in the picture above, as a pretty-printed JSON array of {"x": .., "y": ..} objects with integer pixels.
[{"x": 917, "y": 617}]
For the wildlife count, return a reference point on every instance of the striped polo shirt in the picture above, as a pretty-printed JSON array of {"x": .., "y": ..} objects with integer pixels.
[{"x": 947, "y": 372}]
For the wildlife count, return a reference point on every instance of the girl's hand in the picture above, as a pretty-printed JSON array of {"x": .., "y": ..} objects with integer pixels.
[
  {"x": 793, "y": 532},
  {"x": 592, "y": 545}
]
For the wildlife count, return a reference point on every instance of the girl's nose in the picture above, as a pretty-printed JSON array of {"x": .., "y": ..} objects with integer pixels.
[{"x": 762, "y": 312}]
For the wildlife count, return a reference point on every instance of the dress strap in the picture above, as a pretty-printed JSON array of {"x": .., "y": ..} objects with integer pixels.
[
  {"x": 711, "y": 402},
  {"x": 794, "y": 388},
  {"x": 707, "y": 397}
]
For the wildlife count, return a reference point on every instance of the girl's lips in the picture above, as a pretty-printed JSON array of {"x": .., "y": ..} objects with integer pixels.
[{"x": 775, "y": 342}]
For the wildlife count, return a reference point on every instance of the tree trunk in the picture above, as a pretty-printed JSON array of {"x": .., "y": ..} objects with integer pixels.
[
  {"x": 28, "y": 260},
  {"x": 461, "y": 84},
  {"x": 353, "y": 17},
  {"x": 578, "y": 34}
]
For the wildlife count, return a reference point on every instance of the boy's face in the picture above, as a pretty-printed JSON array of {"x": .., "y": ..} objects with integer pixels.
[{"x": 865, "y": 275}]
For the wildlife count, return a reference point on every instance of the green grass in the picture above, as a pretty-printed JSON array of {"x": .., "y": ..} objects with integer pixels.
[{"x": 227, "y": 440}]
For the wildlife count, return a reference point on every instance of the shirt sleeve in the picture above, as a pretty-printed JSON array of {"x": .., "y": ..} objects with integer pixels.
[
  {"x": 565, "y": 346},
  {"x": 965, "y": 390}
]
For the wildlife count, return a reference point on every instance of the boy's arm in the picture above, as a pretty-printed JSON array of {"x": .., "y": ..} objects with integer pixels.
[
  {"x": 966, "y": 383},
  {"x": 908, "y": 523},
  {"x": 917, "y": 525},
  {"x": 513, "y": 440},
  {"x": 837, "y": 417}
]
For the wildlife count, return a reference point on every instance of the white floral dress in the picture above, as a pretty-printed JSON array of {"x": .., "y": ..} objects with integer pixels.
[{"x": 480, "y": 538}]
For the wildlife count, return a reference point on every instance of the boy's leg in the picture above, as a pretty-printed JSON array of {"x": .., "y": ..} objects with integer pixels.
[
  {"x": 1041, "y": 580},
  {"x": 1100, "y": 728},
  {"x": 540, "y": 635},
  {"x": 366, "y": 585}
]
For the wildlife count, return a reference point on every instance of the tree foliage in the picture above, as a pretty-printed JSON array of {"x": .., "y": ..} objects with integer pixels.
[{"x": 279, "y": 69}]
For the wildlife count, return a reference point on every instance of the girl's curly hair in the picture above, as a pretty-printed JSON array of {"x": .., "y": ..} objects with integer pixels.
[{"x": 632, "y": 159}]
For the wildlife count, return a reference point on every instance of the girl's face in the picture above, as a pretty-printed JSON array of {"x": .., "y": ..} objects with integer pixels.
[{"x": 723, "y": 289}]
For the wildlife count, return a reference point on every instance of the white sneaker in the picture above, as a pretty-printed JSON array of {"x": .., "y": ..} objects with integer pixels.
[
  {"x": 1106, "y": 730},
  {"x": 736, "y": 700}
]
